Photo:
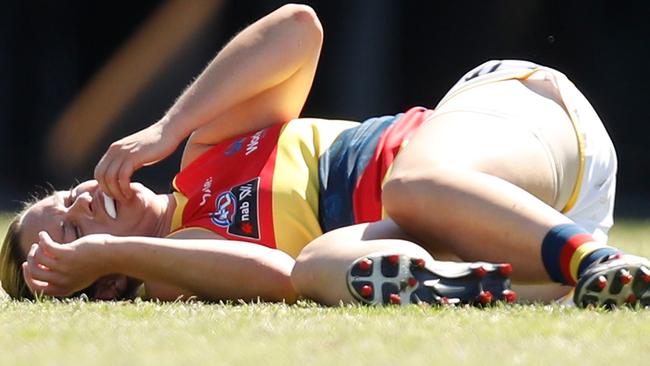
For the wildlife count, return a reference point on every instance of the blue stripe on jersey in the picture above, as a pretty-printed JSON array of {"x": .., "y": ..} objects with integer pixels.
[{"x": 340, "y": 167}]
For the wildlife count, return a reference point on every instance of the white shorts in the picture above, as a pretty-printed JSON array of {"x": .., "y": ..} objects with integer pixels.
[{"x": 591, "y": 203}]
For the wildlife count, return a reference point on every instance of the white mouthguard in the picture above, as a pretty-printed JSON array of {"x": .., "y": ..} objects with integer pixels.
[{"x": 109, "y": 204}]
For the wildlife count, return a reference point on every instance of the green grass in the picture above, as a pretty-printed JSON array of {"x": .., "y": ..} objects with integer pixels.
[
  {"x": 5, "y": 220},
  {"x": 76, "y": 332}
]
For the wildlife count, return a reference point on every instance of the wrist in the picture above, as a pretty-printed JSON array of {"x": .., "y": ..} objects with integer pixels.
[
  {"x": 110, "y": 254},
  {"x": 172, "y": 127}
]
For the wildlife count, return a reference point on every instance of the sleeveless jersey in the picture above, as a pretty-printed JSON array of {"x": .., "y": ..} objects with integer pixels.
[{"x": 285, "y": 185}]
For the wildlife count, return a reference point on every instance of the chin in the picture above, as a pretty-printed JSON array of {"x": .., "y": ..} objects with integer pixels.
[
  {"x": 138, "y": 216},
  {"x": 141, "y": 189}
]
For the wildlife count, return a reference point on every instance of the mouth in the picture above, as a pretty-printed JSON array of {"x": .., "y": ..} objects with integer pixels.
[{"x": 109, "y": 206}]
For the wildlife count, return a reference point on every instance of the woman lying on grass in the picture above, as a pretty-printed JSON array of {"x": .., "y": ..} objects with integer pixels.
[{"x": 513, "y": 167}]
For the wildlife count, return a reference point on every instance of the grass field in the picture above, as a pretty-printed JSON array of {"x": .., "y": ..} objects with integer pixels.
[{"x": 305, "y": 334}]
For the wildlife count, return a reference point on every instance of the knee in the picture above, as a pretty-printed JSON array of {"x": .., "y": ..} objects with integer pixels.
[
  {"x": 426, "y": 197},
  {"x": 308, "y": 271},
  {"x": 402, "y": 192},
  {"x": 301, "y": 275}
]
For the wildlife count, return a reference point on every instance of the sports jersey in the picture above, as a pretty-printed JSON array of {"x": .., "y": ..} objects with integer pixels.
[{"x": 285, "y": 185}]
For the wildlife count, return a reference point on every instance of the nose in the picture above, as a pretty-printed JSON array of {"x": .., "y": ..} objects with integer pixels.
[{"x": 82, "y": 206}]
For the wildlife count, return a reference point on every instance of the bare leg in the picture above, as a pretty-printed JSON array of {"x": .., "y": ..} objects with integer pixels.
[
  {"x": 479, "y": 217},
  {"x": 482, "y": 186},
  {"x": 321, "y": 268}
]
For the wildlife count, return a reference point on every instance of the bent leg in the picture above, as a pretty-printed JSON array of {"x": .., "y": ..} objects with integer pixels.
[
  {"x": 321, "y": 268},
  {"x": 477, "y": 215},
  {"x": 481, "y": 182}
]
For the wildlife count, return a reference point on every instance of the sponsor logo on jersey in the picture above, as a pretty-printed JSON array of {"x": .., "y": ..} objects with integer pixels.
[
  {"x": 246, "y": 222},
  {"x": 206, "y": 191},
  {"x": 234, "y": 147},
  {"x": 254, "y": 141},
  {"x": 237, "y": 210}
]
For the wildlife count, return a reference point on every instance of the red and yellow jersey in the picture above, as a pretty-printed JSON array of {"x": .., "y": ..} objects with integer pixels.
[{"x": 285, "y": 185}]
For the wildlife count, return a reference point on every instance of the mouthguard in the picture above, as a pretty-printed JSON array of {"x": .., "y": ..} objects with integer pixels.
[{"x": 109, "y": 204}]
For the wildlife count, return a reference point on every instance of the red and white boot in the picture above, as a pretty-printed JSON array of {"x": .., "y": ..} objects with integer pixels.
[{"x": 381, "y": 278}]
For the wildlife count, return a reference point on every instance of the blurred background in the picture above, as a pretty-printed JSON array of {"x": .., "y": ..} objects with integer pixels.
[{"x": 76, "y": 75}]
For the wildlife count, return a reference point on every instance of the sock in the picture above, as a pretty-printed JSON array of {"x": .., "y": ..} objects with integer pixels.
[{"x": 568, "y": 249}]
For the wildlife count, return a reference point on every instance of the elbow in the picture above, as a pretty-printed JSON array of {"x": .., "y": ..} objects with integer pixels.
[
  {"x": 306, "y": 20},
  {"x": 277, "y": 285},
  {"x": 284, "y": 291},
  {"x": 302, "y": 13}
]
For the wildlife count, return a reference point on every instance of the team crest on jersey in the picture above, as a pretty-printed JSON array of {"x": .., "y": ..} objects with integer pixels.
[
  {"x": 237, "y": 210},
  {"x": 225, "y": 206}
]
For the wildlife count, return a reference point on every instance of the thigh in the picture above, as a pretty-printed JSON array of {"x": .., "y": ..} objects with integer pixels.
[
  {"x": 510, "y": 129},
  {"x": 479, "y": 142},
  {"x": 480, "y": 180},
  {"x": 321, "y": 268}
]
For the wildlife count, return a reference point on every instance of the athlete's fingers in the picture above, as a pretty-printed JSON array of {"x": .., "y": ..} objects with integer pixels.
[
  {"x": 32, "y": 249},
  {"x": 39, "y": 287},
  {"x": 124, "y": 178},
  {"x": 34, "y": 285},
  {"x": 49, "y": 246},
  {"x": 30, "y": 254},
  {"x": 31, "y": 257},
  {"x": 43, "y": 274},
  {"x": 43, "y": 258},
  {"x": 54, "y": 254},
  {"x": 100, "y": 172},
  {"x": 111, "y": 180}
]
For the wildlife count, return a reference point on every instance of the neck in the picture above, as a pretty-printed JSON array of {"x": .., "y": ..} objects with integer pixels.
[{"x": 167, "y": 205}]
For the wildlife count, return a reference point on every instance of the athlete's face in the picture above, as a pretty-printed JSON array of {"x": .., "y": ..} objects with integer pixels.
[{"x": 69, "y": 215}]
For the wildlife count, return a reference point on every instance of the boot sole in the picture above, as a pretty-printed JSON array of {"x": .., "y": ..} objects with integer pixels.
[
  {"x": 383, "y": 279},
  {"x": 615, "y": 285}
]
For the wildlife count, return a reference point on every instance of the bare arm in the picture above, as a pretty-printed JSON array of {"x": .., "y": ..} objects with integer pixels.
[
  {"x": 261, "y": 77},
  {"x": 209, "y": 269}
]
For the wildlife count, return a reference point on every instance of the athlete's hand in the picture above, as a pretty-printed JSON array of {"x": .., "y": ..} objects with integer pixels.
[
  {"x": 55, "y": 269},
  {"x": 125, "y": 156}
]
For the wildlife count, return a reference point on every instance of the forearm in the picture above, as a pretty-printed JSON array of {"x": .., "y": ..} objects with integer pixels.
[
  {"x": 210, "y": 269},
  {"x": 266, "y": 54}
]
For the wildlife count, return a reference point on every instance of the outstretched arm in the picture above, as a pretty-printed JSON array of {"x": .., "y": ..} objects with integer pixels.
[
  {"x": 261, "y": 77},
  {"x": 209, "y": 269}
]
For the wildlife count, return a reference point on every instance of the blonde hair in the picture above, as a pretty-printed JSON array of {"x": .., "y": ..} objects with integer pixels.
[
  {"x": 11, "y": 258},
  {"x": 11, "y": 270}
]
